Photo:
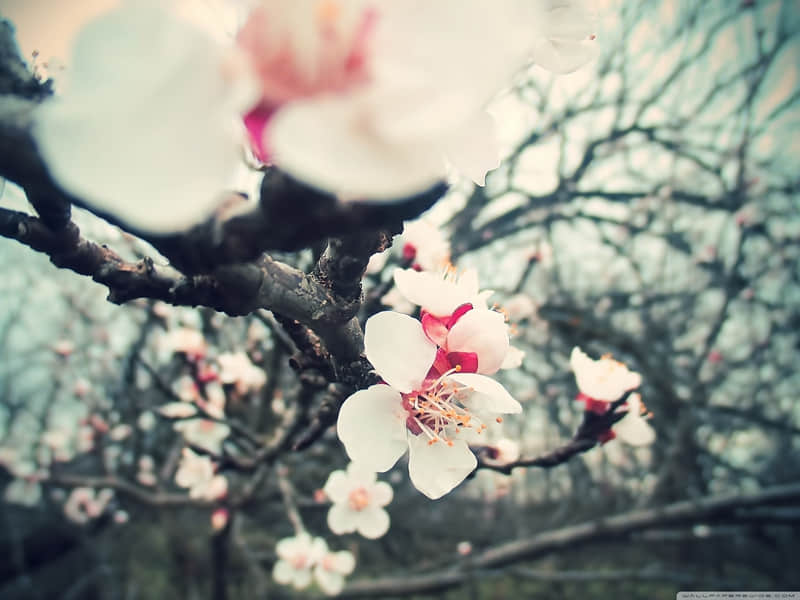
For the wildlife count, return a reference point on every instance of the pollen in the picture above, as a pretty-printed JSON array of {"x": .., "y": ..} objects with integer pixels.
[{"x": 499, "y": 419}]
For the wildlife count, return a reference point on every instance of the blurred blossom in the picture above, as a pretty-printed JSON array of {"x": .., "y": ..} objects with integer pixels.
[
  {"x": 81, "y": 387},
  {"x": 297, "y": 555},
  {"x": 162, "y": 167},
  {"x": 464, "y": 548},
  {"x": 196, "y": 473},
  {"x": 120, "y": 432},
  {"x": 301, "y": 556},
  {"x": 215, "y": 401},
  {"x": 204, "y": 433},
  {"x": 358, "y": 501},
  {"x": 121, "y": 517},
  {"x": 237, "y": 369},
  {"x": 374, "y": 99},
  {"x": 146, "y": 420},
  {"x": 219, "y": 519},
  {"x": 85, "y": 504},
  {"x": 332, "y": 568},
  {"x": 519, "y": 307},
  {"x": 186, "y": 389},
  {"x": 187, "y": 341},
  {"x": 604, "y": 380},
  {"x": 63, "y": 347},
  {"x": 177, "y": 410},
  {"x": 85, "y": 439},
  {"x": 424, "y": 245},
  {"x": 634, "y": 428}
]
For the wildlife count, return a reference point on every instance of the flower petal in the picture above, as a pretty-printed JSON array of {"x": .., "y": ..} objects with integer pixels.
[
  {"x": 343, "y": 562},
  {"x": 435, "y": 469},
  {"x": 430, "y": 291},
  {"x": 305, "y": 135},
  {"x": 146, "y": 130},
  {"x": 487, "y": 394},
  {"x": 283, "y": 572},
  {"x": 342, "y": 519},
  {"x": 635, "y": 431},
  {"x": 473, "y": 149},
  {"x": 372, "y": 427},
  {"x": 337, "y": 487},
  {"x": 398, "y": 348},
  {"x": 331, "y": 582},
  {"x": 373, "y": 522},
  {"x": 484, "y": 332},
  {"x": 382, "y": 493}
]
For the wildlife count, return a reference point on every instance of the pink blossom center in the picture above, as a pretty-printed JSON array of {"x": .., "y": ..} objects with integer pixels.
[
  {"x": 308, "y": 50},
  {"x": 358, "y": 499},
  {"x": 327, "y": 563},
  {"x": 299, "y": 561}
]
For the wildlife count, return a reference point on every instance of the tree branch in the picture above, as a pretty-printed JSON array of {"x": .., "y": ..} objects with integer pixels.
[{"x": 722, "y": 508}]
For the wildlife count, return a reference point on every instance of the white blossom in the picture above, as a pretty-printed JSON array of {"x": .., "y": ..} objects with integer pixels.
[
  {"x": 203, "y": 433},
  {"x": 196, "y": 473},
  {"x": 358, "y": 501},
  {"x": 237, "y": 369},
  {"x": 434, "y": 419},
  {"x": 604, "y": 379}
]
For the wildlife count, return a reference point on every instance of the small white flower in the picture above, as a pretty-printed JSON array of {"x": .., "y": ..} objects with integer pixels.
[
  {"x": 85, "y": 504},
  {"x": 432, "y": 419},
  {"x": 332, "y": 568},
  {"x": 196, "y": 473},
  {"x": 358, "y": 501},
  {"x": 183, "y": 339},
  {"x": 424, "y": 244},
  {"x": 634, "y": 429},
  {"x": 203, "y": 433},
  {"x": 605, "y": 379},
  {"x": 297, "y": 555},
  {"x": 237, "y": 369}
]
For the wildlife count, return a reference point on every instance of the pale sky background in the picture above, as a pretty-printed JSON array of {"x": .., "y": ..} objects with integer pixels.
[{"x": 50, "y": 25}]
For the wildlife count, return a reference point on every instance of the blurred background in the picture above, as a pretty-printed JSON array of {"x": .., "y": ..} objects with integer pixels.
[{"x": 649, "y": 207}]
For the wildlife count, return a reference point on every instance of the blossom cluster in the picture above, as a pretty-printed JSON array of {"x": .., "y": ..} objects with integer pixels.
[{"x": 302, "y": 558}]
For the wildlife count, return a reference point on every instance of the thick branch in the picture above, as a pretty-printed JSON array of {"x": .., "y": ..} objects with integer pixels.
[{"x": 722, "y": 508}]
